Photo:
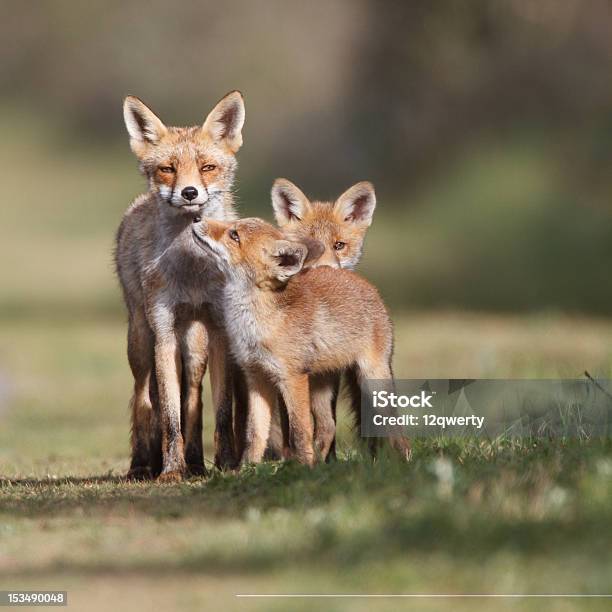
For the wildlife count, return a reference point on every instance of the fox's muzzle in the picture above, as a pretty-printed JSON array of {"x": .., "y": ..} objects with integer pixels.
[
  {"x": 215, "y": 229},
  {"x": 189, "y": 193},
  {"x": 206, "y": 234}
]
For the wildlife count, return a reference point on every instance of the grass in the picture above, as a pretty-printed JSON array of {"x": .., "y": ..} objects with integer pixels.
[{"x": 462, "y": 517}]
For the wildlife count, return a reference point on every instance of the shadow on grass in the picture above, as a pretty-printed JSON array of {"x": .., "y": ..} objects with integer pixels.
[
  {"x": 266, "y": 486},
  {"x": 400, "y": 540},
  {"x": 293, "y": 487}
]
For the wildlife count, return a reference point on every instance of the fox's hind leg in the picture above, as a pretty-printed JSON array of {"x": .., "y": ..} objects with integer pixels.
[
  {"x": 296, "y": 394},
  {"x": 279, "y": 436},
  {"x": 374, "y": 369},
  {"x": 194, "y": 354},
  {"x": 331, "y": 456},
  {"x": 141, "y": 359},
  {"x": 241, "y": 409},
  {"x": 353, "y": 386},
  {"x": 323, "y": 393}
]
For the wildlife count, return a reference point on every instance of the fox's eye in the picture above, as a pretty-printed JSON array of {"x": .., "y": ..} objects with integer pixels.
[
  {"x": 339, "y": 245},
  {"x": 166, "y": 169},
  {"x": 207, "y": 167},
  {"x": 233, "y": 234}
]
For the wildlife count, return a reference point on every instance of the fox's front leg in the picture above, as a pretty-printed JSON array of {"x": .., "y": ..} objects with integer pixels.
[
  {"x": 262, "y": 396},
  {"x": 241, "y": 409},
  {"x": 194, "y": 357},
  {"x": 145, "y": 458},
  {"x": 168, "y": 373},
  {"x": 295, "y": 392},
  {"x": 221, "y": 386}
]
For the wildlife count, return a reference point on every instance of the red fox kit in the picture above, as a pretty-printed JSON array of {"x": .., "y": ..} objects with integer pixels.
[
  {"x": 341, "y": 227},
  {"x": 169, "y": 293},
  {"x": 284, "y": 327}
]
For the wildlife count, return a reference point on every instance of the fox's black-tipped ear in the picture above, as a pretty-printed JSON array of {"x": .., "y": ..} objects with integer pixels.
[
  {"x": 225, "y": 121},
  {"x": 315, "y": 249},
  {"x": 288, "y": 201},
  {"x": 357, "y": 203},
  {"x": 289, "y": 258},
  {"x": 143, "y": 125}
]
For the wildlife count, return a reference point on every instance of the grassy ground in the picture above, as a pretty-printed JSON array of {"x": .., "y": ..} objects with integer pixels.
[{"x": 469, "y": 518}]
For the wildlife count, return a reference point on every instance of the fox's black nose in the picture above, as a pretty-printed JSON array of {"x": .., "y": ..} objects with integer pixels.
[{"x": 189, "y": 193}]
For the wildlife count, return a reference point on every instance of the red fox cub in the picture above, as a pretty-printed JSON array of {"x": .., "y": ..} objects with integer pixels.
[
  {"x": 341, "y": 227},
  {"x": 170, "y": 294},
  {"x": 283, "y": 327}
]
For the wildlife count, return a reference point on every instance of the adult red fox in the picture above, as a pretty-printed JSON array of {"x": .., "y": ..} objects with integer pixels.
[{"x": 170, "y": 295}]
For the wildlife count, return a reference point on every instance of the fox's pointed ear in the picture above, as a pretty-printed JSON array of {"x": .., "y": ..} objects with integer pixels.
[
  {"x": 225, "y": 121},
  {"x": 289, "y": 258},
  {"x": 357, "y": 203},
  {"x": 288, "y": 201},
  {"x": 143, "y": 125}
]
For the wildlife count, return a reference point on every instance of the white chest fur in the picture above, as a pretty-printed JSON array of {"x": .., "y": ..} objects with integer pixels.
[{"x": 248, "y": 341}]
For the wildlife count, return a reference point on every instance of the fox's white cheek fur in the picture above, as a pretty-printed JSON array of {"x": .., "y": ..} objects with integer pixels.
[
  {"x": 221, "y": 253},
  {"x": 214, "y": 205},
  {"x": 165, "y": 192},
  {"x": 349, "y": 263}
]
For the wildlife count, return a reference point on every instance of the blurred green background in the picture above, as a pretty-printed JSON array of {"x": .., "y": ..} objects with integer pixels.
[{"x": 485, "y": 126}]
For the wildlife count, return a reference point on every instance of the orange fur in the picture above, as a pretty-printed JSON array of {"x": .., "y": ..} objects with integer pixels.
[
  {"x": 284, "y": 326},
  {"x": 341, "y": 227}
]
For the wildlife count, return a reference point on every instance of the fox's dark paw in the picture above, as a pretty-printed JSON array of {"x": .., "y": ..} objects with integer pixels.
[
  {"x": 196, "y": 469},
  {"x": 139, "y": 473},
  {"x": 272, "y": 454},
  {"x": 226, "y": 461}
]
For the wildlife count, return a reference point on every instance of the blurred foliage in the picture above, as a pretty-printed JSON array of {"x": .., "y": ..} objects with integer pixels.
[{"x": 486, "y": 127}]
